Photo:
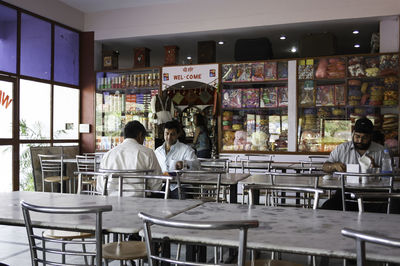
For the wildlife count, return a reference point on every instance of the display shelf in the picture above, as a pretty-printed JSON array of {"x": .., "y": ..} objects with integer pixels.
[
  {"x": 254, "y": 107},
  {"x": 123, "y": 96},
  {"x": 370, "y": 88}
]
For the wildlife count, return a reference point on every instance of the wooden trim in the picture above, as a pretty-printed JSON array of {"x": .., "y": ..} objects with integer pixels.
[{"x": 88, "y": 91}]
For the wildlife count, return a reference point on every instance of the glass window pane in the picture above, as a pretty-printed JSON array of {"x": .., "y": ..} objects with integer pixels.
[
  {"x": 35, "y": 47},
  {"x": 8, "y": 39},
  {"x": 34, "y": 110},
  {"x": 6, "y": 168},
  {"x": 66, "y": 113},
  {"x": 66, "y": 56},
  {"x": 6, "y": 109}
]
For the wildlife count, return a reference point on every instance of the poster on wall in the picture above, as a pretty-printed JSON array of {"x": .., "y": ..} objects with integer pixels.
[{"x": 207, "y": 74}]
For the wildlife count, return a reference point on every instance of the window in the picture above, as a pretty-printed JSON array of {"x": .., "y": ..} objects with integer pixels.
[
  {"x": 35, "y": 47},
  {"x": 6, "y": 168},
  {"x": 8, "y": 39},
  {"x": 66, "y": 123},
  {"x": 6, "y": 110},
  {"x": 66, "y": 56},
  {"x": 34, "y": 110}
]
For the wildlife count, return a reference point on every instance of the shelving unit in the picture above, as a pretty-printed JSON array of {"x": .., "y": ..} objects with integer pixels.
[
  {"x": 335, "y": 91},
  {"x": 254, "y": 107},
  {"x": 123, "y": 96}
]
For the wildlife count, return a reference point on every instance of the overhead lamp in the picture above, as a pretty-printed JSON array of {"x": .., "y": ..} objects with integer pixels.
[
  {"x": 283, "y": 37},
  {"x": 221, "y": 42},
  {"x": 356, "y": 32},
  {"x": 356, "y": 45},
  {"x": 189, "y": 58},
  {"x": 293, "y": 50}
]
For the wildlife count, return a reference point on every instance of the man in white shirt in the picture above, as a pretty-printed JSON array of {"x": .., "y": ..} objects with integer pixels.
[
  {"x": 172, "y": 155},
  {"x": 131, "y": 155}
]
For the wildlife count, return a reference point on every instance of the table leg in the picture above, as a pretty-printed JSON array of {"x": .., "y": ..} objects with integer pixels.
[{"x": 233, "y": 193}]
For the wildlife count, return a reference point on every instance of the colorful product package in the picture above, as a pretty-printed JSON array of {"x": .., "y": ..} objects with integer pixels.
[
  {"x": 269, "y": 97},
  {"x": 251, "y": 98},
  {"x": 232, "y": 98}
]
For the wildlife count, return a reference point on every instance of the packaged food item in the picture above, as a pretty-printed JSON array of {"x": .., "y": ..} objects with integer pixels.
[
  {"x": 307, "y": 95},
  {"x": 282, "y": 70},
  {"x": 325, "y": 95},
  {"x": 243, "y": 73},
  {"x": 340, "y": 94},
  {"x": 232, "y": 98},
  {"x": 228, "y": 72},
  {"x": 388, "y": 64},
  {"x": 283, "y": 99},
  {"x": 251, "y": 98},
  {"x": 270, "y": 70},
  {"x": 305, "y": 69},
  {"x": 269, "y": 97},
  {"x": 257, "y": 72}
]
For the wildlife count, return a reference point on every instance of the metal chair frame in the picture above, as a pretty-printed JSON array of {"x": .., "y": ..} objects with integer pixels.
[
  {"x": 33, "y": 238},
  {"x": 361, "y": 196},
  {"x": 242, "y": 226},
  {"x": 93, "y": 174},
  {"x": 362, "y": 237},
  {"x": 348, "y": 189},
  {"x": 53, "y": 164}
]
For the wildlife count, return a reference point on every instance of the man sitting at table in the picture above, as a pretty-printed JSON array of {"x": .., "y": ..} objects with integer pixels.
[
  {"x": 350, "y": 153},
  {"x": 131, "y": 155},
  {"x": 173, "y": 154}
]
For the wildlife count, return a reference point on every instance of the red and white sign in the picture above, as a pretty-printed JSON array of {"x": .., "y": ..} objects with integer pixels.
[{"x": 207, "y": 74}]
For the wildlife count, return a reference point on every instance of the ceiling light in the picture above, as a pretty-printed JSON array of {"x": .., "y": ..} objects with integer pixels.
[
  {"x": 189, "y": 58},
  {"x": 182, "y": 86},
  {"x": 356, "y": 32},
  {"x": 293, "y": 50},
  {"x": 221, "y": 42},
  {"x": 283, "y": 37},
  {"x": 356, "y": 45}
]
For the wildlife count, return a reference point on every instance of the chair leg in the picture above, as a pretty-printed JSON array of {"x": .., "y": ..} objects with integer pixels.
[{"x": 84, "y": 250}]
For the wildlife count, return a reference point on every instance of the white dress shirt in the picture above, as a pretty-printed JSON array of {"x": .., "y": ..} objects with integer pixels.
[
  {"x": 178, "y": 152},
  {"x": 130, "y": 155}
]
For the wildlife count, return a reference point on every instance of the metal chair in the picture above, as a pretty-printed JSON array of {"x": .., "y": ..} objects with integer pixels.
[
  {"x": 41, "y": 244},
  {"x": 131, "y": 250},
  {"x": 362, "y": 237},
  {"x": 209, "y": 192},
  {"x": 306, "y": 199},
  {"x": 87, "y": 163},
  {"x": 242, "y": 226},
  {"x": 374, "y": 197},
  {"x": 52, "y": 167},
  {"x": 383, "y": 186},
  {"x": 214, "y": 164}
]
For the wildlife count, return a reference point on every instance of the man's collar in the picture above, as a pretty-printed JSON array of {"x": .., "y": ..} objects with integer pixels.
[{"x": 172, "y": 146}]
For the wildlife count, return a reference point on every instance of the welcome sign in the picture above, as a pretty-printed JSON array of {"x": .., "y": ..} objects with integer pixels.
[{"x": 207, "y": 74}]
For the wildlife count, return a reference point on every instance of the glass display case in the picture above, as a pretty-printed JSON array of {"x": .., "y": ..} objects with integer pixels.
[
  {"x": 335, "y": 91},
  {"x": 254, "y": 107},
  {"x": 123, "y": 96}
]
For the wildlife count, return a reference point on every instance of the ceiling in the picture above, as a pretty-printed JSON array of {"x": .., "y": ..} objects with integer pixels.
[{"x": 341, "y": 29}]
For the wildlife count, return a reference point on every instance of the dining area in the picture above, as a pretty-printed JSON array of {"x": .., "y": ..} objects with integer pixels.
[{"x": 222, "y": 215}]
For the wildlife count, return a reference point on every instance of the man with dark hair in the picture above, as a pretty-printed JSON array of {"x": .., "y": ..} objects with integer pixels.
[
  {"x": 173, "y": 154},
  {"x": 131, "y": 155},
  {"x": 350, "y": 153}
]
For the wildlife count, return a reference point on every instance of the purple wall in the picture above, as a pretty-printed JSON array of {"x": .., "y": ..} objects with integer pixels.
[{"x": 8, "y": 39}]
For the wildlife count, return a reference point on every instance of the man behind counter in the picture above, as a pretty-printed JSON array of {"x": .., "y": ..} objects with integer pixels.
[{"x": 350, "y": 153}]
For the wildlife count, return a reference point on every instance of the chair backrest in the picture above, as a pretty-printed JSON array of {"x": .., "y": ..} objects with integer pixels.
[
  {"x": 242, "y": 226},
  {"x": 201, "y": 190},
  {"x": 362, "y": 237},
  {"x": 51, "y": 165},
  {"x": 256, "y": 166},
  {"x": 305, "y": 197},
  {"x": 139, "y": 182},
  {"x": 214, "y": 164},
  {"x": 86, "y": 163},
  {"x": 377, "y": 197},
  {"x": 385, "y": 185},
  {"x": 42, "y": 247},
  {"x": 91, "y": 174}
]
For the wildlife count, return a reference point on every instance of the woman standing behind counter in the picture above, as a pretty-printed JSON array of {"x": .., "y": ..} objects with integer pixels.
[{"x": 201, "y": 140}]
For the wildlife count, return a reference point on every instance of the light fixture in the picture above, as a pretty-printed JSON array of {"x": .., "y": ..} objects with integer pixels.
[
  {"x": 182, "y": 86},
  {"x": 293, "y": 50},
  {"x": 356, "y": 45},
  {"x": 189, "y": 58},
  {"x": 356, "y": 32},
  {"x": 283, "y": 37},
  {"x": 221, "y": 42}
]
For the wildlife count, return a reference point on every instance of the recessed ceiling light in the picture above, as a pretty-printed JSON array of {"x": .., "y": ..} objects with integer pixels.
[
  {"x": 356, "y": 45},
  {"x": 182, "y": 86},
  {"x": 356, "y": 32},
  {"x": 221, "y": 42},
  {"x": 283, "y": 37},
  {"x": 189, "y": 58},
  {"x": 293, "y": 50}
]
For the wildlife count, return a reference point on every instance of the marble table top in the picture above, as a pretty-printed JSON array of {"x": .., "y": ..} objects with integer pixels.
[
  {"x": 333, "y": 183},
  {"x": 293, "y": 230},
  {"x": 122, "y": 219}
]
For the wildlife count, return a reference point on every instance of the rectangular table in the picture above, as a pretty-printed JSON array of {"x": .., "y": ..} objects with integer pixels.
[
  {"x": 122, "y": 219},
  {"x": 228, "y": 179},
  {"x": 292, "y": 230}
]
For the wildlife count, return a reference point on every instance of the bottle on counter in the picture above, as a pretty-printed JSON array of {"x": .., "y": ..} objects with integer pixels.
[{"x": 386, "y": 166}]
